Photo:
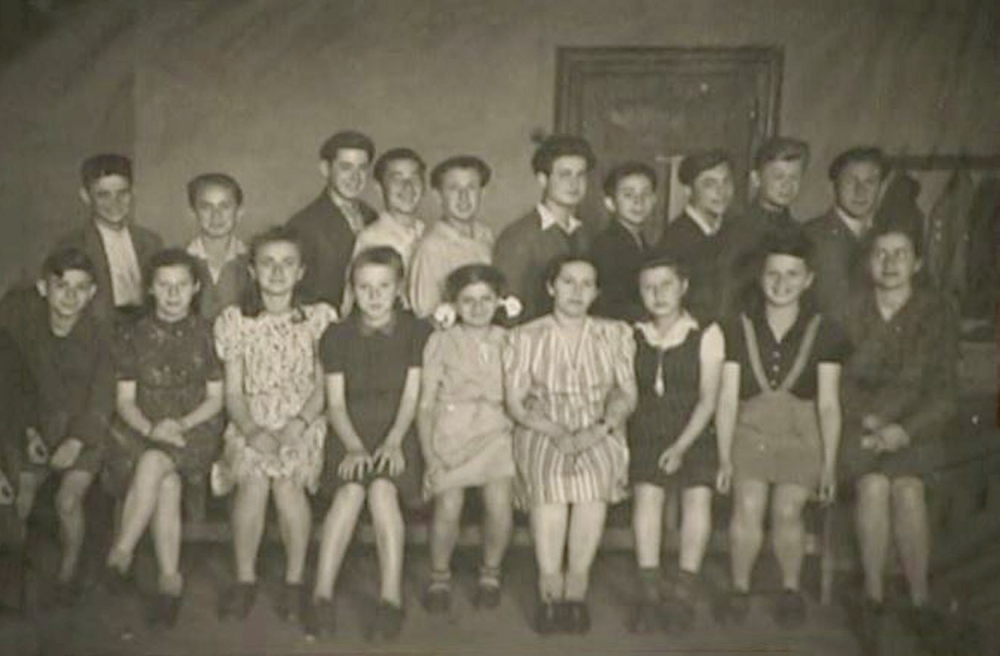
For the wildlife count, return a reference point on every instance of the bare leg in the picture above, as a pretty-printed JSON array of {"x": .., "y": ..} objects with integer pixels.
[
  {"x": 444, "y": 528},
  {"x": 788, "y": 531},
  {"x": 69, "y": 505},
  {"x": 696, "y": 527},
  {"x": 249, "y": 509},
  {"x": 27, "y": 490},
  {"x": 647, "y": 524},
  {"x": 548, "y": 532},
  {"x": 872, "y": 521},
  {"x": 586, "y": 525},
  {"x": 167, "y": 534},
  {"x": 913, "y": 540},
  {"x": 390, "y": 538},
  {"x": 499, "y": 521},
  {"x": 140, "y": 503},
  {"x": 746, "y": 530},
  {"x": 338, "y": 529},
  {"x": 295, "y": 518}
]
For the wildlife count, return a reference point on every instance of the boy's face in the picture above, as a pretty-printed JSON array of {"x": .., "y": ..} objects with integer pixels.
[
  {"x": 347, "y": 174},
  {"x": 634, "y": 199},
  {"x": 784, "y": 279},
  {"x": 712, "y": 190},
  {"x": 67, "y": 295},
  {"x": 216, "y": 210},
  {"x": 109, "y": 199},
  {"x": 461, "y": 192},
  {"x": 779, "y": 182},
  {"x": 402, "y": 186},
  {"x": 567, "y": 183},
  {"x": 857, "y": 187}
]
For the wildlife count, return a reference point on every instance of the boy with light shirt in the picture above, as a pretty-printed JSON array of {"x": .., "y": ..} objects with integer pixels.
[
  {"x": 699, "y": 239},
  {"x": 216, "y": 202},
  {"x": 330, "y": 224},
  {"x": 458, "y": 238},
  {"x": 527, "y": 247},
  {"x": 118, "y": 248},
  {"x": 68, "y": 353},
  {"x": 630, "y": 196}
]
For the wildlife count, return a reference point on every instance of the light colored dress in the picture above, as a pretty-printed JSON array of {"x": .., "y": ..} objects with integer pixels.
[
  {"x": 279, "y": 375},
  {"x": 442, "y": 250},
  {"x": 470, "y": 443},
  {"x": 570, "y": 384}
]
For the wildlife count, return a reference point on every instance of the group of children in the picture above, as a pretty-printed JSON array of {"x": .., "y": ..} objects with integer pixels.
[{"x": 242, "y": 372}]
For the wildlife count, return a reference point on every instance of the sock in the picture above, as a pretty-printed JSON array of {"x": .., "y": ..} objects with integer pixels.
[
  {"x": 550, "y": 587},
  {"x": 649, "y": 584},
  {"x": 489, "y": 576}
]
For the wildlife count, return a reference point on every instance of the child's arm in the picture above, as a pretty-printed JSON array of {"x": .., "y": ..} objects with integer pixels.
[
  {"x": 357, "y": 459},
  {"x": 209, "y": 408},
  {"x": 426, "y": 411},
  {"x": 239, "y": 413},
  {"x": 725, "y": 422},
  {"x": 710, "y": 357},
  {"x": 311, "y": 409},
  {"x": 390, "y": 453},
  {"x": 168, "y": 431},
  {"x": 828, "y": 409}
]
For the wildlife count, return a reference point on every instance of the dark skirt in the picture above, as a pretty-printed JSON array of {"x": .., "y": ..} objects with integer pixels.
[{"x": 699, "y": 467}]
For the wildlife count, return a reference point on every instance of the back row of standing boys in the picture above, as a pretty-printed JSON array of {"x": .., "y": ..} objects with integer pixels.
[{"x": 728, "y": 376}]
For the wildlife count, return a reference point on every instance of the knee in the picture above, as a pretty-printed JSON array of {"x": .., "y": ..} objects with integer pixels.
[
  {"x": 873, "y": 490},
  {"x": 908, "y": 494},
  {"x": 69, "y": 500},
  {"x": 153, "y": 463},
  {"x": 449, "y": 505},
  {"x": 171, "y": 486},
  {"x": 786, "y": 514},
  {"x": 383, "y": 500}
]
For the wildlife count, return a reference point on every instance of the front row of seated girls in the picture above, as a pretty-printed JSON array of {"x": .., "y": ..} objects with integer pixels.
[{"x": 558, "y": 416}]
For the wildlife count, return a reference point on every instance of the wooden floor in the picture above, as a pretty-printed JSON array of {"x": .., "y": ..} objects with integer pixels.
[{"x": 104, "y": 625}]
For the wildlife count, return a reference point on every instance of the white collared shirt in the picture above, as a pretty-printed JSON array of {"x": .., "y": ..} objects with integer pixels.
[
  {"x": 706, "y": 226},
  {"x": 549, "y": 219},
  {"x": 198, "y": 250},
  {"x": 857, "y": 226},
  {"x": 123, "y": 264}
]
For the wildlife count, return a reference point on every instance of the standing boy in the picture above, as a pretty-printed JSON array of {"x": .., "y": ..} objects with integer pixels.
[{"x": 527, "y": 247}]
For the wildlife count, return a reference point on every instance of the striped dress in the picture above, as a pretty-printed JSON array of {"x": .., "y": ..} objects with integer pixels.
[{"x": 569, "y": 384}]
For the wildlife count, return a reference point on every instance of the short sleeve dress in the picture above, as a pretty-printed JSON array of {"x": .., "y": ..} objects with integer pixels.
[
  {"x": 171, "y": 364},
  {"x": 668, "y": 374},
  {"x": 278, "y": 353},
  {"x": 471, "y": 437},
  {"x": 569, "y": 384},
  {"x": 374, "y": 363},
  {"x": 777, "y": 437}
]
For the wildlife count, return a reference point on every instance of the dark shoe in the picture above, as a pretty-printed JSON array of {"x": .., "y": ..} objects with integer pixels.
[
  {"x": 578, "y": 617},
  {"x": 790, "y": 609},
  {"x": 437, "y": 599},
  {"x": 290, "y": 602},
  {"x": 388, "y": 621},
  {"x": 548, "y": 617},
  {"x": 931, "y": 627},
  {"x": 118, "y": 584},
  {"x": 164, "y": 611},
  {"x": 866, "y": 622},
  {"x": 65, "y": 595},
  {"x": 678, "y": 607},
  {"x": 732, "y": 607},
  {"x": 238, "y": 601},
  {"x": 318, "y": 619},
  {"x": 644, "y": 618},
  {"x": 487, "y": 596}
]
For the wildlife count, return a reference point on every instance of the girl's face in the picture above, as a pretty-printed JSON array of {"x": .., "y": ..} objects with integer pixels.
[
  {"x": 173, "y": 287},
  {"x": 476, "y": 304},
  {"x": 661, "y": 290},
  {"x": 376, "y": 287},
  {"x": 893, "y": 261},
  {"x": 277, "y": 267},
  {"x": 784, "y": 279},
  {"x": 574, "y": 289}
]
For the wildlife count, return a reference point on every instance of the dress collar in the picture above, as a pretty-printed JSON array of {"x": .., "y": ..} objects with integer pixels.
[{"x": 676, "y": 335}]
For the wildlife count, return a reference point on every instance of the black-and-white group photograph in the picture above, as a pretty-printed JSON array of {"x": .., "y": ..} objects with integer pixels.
[{"x": 499, "y": 327}]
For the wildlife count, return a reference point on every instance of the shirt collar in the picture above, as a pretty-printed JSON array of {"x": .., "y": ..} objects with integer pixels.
[
  {"x": 108, "y": 232},
  {"x": 676, "y": 335},
  {"x": 235, "y": 249},
  {"x": 858, "y": 227},
  {"x": 699, "y": 219},
  {"x": 478, "y": 234},
  {"x": 549, "y": 219}
]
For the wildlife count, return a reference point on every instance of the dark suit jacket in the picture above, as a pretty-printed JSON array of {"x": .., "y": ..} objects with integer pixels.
[
  {"x": 88, "y": 239},
  {"x": 838, "y": 264},
  {"x": 707, "y": 260},
  {"x": 618, "y": 256},
  {"x": 328, "y": 244}
]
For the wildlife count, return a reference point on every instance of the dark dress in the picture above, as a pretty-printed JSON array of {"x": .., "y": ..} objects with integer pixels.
[
  {"x": 171, "y": 363},
  {"x": 904, "y": 371},
  {"x": 777, "y": 437},
  {"x": 663, "y": 412},
  {"x": 374, "y": 363}
]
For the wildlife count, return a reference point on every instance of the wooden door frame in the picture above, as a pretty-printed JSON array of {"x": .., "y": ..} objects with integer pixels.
[{"x": 575, "y": 63}]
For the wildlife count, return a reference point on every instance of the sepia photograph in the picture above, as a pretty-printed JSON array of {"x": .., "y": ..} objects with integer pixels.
[{"x": 490, "y": 327}]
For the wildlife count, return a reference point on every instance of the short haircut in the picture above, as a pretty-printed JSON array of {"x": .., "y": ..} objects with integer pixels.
[
  {"x": 792, "y": 241},
  {"x": 663, "y": 261},
  {"x": 561, "y": 145},
  {"x": 168, "y": 257},
  {"x": 781, "y": 149},
  {"x": 909, "y": 228},
  {"x": 460, "y": 162},
  {"x": 386, "y": 256},
  {"x": 393, "y": 154},
  {"x": 471, "y": 274},
  {"x": 697, "y": 163},
  {"x": 67, "y": 258},
  {"x": 624, "y": 170},
  {"x": 556, "y": 266},
  {"x": 278, "y": 233},
  {"x": 867, "y": 154},
  {"x": 200, "y": 182},
  {"x": 344, "y": 140},
  {"x": 99, "y": 166}
]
